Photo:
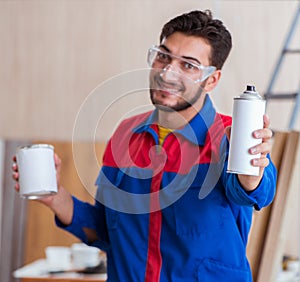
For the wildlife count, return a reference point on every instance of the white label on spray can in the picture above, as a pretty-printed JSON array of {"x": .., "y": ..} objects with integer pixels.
[
  {"x": 248, "y": 111},
  {"x": 37, "y": 173}
]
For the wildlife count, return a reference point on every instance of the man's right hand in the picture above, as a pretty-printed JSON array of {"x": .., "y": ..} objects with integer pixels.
[{"x": 61, "y": 203}]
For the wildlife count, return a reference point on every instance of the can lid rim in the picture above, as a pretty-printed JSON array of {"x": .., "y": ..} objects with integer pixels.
[
  {"x": 249, "y": 98},
  {"x": 34, "y": 146}
]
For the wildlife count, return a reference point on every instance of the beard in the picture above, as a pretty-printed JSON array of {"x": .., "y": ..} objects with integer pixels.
[
  {"x": 181, "y": 105},
  {"x": 179, "y": 90}
]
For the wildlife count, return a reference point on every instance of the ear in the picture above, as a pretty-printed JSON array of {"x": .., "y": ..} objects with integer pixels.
[{"x": 212, "y": 81}]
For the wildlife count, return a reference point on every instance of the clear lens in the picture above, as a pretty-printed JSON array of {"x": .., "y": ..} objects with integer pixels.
[{"x": 160, "y": 59}]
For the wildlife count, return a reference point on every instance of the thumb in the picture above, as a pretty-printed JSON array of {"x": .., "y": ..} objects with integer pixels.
[{"x": 228, "y": 132}]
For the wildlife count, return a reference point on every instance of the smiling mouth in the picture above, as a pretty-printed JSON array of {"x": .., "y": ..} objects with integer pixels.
[
  {"x": 169, "y": 92},
  {"x": 168, "y": 89}
]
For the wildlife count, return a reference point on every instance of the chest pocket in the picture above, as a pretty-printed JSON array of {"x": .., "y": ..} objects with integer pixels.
[{"x": 196, "y": 217}]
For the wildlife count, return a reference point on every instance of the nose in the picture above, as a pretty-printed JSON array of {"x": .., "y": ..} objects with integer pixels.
[{"x": 168, "y": 73}]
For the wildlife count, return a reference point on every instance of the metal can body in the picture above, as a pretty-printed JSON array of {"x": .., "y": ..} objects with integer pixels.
[
  {"x": 248, "y": 111},
  {"x": 37, "y": 173}
]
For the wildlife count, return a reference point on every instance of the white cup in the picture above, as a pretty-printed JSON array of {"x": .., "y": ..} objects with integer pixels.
[
  {"x": 84, "y": 256},
  {"x": 294, "y": 266},
  {"x": 37, "y": 173},
  {"x": 58, "y": 257}
]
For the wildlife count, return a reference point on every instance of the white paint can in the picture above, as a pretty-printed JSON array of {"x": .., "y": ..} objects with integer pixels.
[
  {"x": 248, "y": 111},
  {"x": 37, "y": 173}
]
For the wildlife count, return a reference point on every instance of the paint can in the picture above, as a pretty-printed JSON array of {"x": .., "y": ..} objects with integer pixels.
[
  {"x": 248, "y": 111},
  {"x": 37, "y": 173}
]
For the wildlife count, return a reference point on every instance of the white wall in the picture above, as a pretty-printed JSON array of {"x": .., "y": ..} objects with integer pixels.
[{"x": 55, "y": 52}]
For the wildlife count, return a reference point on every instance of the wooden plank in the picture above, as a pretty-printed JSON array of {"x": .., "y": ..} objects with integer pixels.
[
  {"x": 281, "y": 212},
  {"x": 261, "y": 218}
]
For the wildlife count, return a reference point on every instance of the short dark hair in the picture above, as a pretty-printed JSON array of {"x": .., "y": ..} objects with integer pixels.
[{"x": 202, "y": 24}]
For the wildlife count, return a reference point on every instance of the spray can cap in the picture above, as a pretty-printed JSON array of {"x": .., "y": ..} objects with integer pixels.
[
  {"x": 250, "y": 88},
  {"x": 250, "y": 93}
]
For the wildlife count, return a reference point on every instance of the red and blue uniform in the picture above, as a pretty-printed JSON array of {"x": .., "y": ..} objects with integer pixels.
[{"x": 172, "y": 213}]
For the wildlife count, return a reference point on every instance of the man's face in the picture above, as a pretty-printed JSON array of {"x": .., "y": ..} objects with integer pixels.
[{"x": 171, "y": 87}]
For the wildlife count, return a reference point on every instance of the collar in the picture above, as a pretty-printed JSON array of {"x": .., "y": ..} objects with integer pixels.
[{"x": 195, "y": 131}]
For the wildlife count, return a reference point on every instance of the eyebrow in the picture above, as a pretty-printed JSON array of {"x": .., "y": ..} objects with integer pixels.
[{"x": 184, "y": 57}]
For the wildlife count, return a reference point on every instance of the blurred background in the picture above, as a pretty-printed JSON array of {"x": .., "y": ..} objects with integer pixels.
[{"x": 54, "y": 54}]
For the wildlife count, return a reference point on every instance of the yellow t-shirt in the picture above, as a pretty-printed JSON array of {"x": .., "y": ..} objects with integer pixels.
[{"x": 162, "y": 133}]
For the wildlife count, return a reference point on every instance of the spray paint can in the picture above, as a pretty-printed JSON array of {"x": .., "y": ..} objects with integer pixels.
[
  {"x": 37, "y": 173},
  {"x": 248, "y": 111}
]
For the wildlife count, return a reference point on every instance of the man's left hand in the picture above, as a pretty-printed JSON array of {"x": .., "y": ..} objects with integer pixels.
[{"x": 250, "y": 182}]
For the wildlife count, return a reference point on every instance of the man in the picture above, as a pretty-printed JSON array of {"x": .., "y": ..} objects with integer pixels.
[{"x": 149, "y": 215}]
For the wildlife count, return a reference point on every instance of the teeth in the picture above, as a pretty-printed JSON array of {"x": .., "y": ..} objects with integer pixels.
[{"x": 170, "y": 90}]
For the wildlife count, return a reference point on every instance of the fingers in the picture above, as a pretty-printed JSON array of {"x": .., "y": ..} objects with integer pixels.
[
  {"x": 266, "y": 121},
  {"x": 261, "y": 162},
  {"x": 263, "y": 148},
  {"x": 14, "y": 166},
  {"x": 15, "y": 174},
  {"x": 265, "y": 133},
  {"x": 57, "y": 162},
  {"x": 17, "y": 187}
]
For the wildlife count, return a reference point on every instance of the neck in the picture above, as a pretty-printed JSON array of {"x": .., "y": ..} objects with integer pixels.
[{"x": 176, "y": 120}]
